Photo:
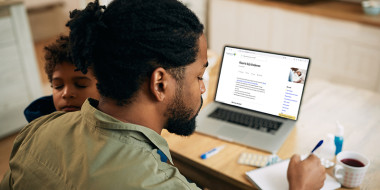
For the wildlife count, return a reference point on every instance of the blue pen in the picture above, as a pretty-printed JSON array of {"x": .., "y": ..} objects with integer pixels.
[
  {"x": 212, "y": 152},
  {"x": 317, "y": 146}
]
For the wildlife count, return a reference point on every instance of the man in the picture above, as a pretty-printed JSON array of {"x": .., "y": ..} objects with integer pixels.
[{"x": 149, "y": 57}]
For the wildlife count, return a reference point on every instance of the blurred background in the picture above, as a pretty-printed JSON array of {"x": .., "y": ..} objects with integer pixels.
[{"x": 342, "y": 41}]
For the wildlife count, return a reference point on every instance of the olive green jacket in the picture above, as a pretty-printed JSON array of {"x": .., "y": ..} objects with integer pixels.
[{"x": 89, "y": 149}]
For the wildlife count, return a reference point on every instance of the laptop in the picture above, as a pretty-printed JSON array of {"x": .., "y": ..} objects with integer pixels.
[{"x": 257, "y": 100}]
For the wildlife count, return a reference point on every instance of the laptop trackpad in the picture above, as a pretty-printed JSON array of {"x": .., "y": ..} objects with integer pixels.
[{"x": 230, "y": 133}]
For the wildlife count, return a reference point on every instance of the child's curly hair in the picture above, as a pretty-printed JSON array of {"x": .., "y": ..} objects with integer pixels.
[{"x": 57, "y": 53}]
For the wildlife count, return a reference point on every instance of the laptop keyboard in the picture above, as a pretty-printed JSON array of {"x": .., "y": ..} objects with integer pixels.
[{"x": 246, "y": 120}]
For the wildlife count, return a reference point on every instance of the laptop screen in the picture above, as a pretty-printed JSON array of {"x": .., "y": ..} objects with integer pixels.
[{"x": 261, "y": 81}]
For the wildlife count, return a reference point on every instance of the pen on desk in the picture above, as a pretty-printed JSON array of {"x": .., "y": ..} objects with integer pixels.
[
  {"x": 317, "y": 146},
  {"x": 212, "y": 152}
]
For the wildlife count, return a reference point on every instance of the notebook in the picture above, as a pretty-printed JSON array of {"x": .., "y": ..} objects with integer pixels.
[
  {"x": 273, "y": 177},
  {"x": 257, "y": 100}
]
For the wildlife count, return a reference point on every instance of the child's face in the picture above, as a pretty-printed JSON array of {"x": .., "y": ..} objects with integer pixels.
[{"x": 71, "y": 88}]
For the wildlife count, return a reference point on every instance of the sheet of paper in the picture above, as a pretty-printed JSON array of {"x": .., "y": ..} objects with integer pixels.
[{"x": 274, "y": 177}]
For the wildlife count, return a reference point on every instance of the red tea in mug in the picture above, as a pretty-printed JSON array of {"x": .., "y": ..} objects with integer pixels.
[{"x": 352, "y": 162}]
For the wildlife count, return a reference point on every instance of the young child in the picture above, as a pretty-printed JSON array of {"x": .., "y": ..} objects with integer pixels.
[{"x": 70, "y": 86}]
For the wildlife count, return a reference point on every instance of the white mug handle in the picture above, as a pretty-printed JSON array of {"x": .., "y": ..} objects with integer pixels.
[{"x": 338, "y": 172}]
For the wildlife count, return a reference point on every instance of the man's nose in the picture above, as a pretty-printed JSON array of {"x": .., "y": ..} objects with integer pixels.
[{"x": 202, "y": 87}]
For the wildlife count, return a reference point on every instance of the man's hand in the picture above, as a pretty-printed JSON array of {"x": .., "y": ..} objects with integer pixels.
[{"x": 306, "y": 174}]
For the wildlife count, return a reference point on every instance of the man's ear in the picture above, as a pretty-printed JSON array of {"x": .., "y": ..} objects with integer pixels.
[{"x": 159, "y": 83}]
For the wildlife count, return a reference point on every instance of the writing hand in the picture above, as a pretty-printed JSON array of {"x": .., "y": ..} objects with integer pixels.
[{"x": 306, "y": 174}]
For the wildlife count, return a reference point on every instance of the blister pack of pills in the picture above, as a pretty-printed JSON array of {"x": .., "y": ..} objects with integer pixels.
[{"x": 258, "y": 160}]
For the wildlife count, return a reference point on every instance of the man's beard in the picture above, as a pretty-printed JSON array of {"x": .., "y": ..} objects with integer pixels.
[{"x": 180, "y": 121}]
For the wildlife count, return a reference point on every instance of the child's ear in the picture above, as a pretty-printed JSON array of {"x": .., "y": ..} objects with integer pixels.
[{"x": 159, "y": 83}]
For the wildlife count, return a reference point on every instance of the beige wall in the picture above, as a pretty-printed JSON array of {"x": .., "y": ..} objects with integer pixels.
[{"x": 47, "y": 18}]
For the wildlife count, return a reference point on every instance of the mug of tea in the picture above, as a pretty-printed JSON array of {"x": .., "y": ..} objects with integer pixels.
[{"x": 350, "y": 168}]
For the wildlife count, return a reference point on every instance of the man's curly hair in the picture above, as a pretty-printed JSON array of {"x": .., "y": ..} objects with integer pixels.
[
  {"x": 56, "y": 53},
  {"x": 126, "y": 41}
]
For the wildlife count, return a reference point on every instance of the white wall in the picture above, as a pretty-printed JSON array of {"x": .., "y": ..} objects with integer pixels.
[{"x": 341, "y": 51}]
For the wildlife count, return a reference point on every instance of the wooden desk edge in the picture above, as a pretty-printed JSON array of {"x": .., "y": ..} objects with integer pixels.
[{"x": 205, "y": 176}]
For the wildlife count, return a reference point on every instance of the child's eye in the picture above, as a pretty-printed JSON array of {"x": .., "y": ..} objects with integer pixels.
[
  {"x": 80, "y": 86},
  {"x": 57, "y": 87},
  {"x": 57, "y": 84},
  {"x": 200, "y": 78},
  {"x": 82, "y": 83}
]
